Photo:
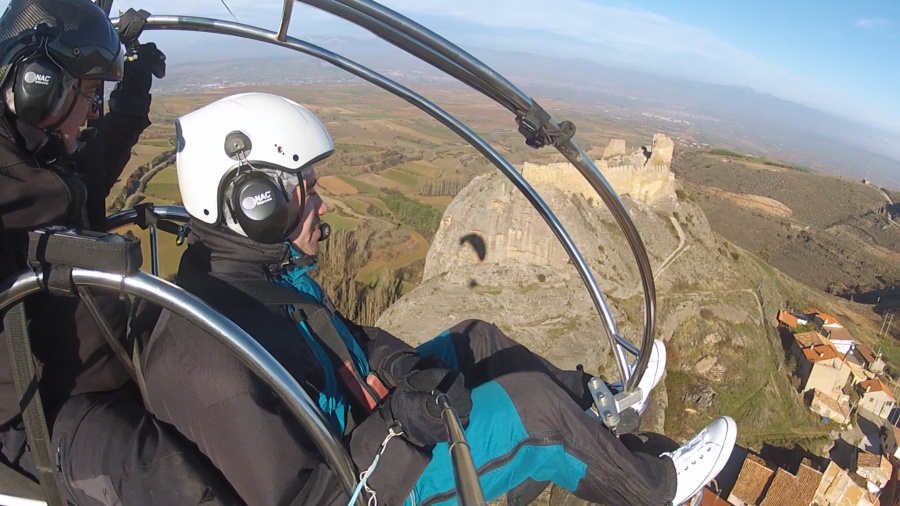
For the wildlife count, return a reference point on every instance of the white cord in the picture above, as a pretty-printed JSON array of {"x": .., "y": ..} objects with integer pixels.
[{"x": 364, "y": 476}]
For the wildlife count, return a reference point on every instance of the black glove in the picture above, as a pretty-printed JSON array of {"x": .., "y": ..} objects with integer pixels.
[
  {"x": 139, "y": 71},
  {"x": 399, "y": 366},
  {"x": 132, "y": 95},
  {"x": 413, "y": 404},
  {"x": 131, "y": 24}
]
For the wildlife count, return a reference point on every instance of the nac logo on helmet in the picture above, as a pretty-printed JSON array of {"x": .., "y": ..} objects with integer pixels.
[
  {"x": 257, "y": 200},
  {"x": 35, "y": 78}
]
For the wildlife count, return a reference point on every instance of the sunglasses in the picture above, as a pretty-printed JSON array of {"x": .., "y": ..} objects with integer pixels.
[{"x": 93, "y": 98}]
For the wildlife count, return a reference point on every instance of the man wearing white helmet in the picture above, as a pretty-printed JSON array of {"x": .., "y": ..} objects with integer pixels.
[{"x": 245, "y": 169}]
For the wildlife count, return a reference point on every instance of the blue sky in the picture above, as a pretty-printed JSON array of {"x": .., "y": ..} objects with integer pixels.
[{"x": 842, "y": 57}]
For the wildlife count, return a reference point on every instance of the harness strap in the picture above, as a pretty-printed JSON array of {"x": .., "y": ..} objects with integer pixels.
[
  {"x": 22, "y": 362},
  {"x": 369, "y": 392},
  {"x": 16, "y": 326}
]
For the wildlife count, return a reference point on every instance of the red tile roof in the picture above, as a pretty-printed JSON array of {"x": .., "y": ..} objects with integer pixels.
[
  {"x": 866, "y": 351},
  {"x": 821, "y": 353},
  {"x": 838, "y": 334},
  {"x": 831, "y": 402},
  {"x": 874, "y": 468},
  {"x": 789, "y": 490},
  {"x": 710, "y": 498},
  {"x": 828, "y": 319},
  {"x": 866, "y": 459},
  {"x": 752, "y": 480},
  {"x": 808, "y": 339},
  {"x": 787, "y": 319},
  {"x": 875, "y": 385}
]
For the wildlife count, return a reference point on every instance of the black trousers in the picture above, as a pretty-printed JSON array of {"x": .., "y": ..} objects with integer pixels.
[
  {"x": 108, "y": 448},
  {"x": 528, "y": 421}
]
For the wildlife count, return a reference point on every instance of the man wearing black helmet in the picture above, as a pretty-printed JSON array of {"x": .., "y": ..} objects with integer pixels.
[{"x": 54, "y": 56}]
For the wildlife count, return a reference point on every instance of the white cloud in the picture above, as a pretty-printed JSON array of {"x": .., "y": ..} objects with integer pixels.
[
  {"x": 873, "y": 23},
  {"x": 625, "y": 37}
]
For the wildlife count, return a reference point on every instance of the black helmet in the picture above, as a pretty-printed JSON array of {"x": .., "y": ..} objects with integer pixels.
[{"x": 76, "y": 34}]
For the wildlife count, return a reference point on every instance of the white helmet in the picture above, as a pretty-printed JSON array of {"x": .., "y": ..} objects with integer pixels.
[{"x": 235, "y": 156}]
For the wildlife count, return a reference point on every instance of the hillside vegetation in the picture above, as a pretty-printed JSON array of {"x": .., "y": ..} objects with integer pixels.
[
  {"x": 394, "y": 174},
  {"x": 838, "y": 237}
]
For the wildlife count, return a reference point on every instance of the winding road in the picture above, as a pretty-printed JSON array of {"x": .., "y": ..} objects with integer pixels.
[{"x": 678, "y": 251}]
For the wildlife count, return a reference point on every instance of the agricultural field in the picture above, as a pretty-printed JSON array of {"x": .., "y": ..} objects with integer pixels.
[
  {"x": 388, "y": 155},
  {"x": 164, "y": 187}
]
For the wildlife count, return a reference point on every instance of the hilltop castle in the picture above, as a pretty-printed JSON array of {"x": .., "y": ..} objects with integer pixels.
[{"x": 644, "y": 174}]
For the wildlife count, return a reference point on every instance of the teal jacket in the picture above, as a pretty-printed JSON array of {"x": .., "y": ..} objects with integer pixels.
[{"x": 331, "y": 398}]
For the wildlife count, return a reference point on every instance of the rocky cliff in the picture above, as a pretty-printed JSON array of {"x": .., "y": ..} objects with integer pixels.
[
  {"x": 643, "y": 174},
  {"x": 494, "y": 258}
]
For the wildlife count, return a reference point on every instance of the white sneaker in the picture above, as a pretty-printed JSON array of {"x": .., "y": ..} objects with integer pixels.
[
  {"x": 656, "y": 368},
  {"x": 700, "y": 460}
]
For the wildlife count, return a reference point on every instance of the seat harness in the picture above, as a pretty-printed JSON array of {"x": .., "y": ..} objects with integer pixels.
[{"x": 366, "y": 393}]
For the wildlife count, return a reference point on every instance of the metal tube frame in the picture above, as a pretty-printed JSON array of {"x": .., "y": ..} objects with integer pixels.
[
  {"x": 433, "y": 49},
  {"x": 247, "y": 349},
  {"x": 567, "y": 148},
  {"x": 440, "y": 53}
]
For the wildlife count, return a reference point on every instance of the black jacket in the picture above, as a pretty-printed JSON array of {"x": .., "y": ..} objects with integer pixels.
[
  {"x": 198, "y": 386},
  {"x": 41, "y": 186}
]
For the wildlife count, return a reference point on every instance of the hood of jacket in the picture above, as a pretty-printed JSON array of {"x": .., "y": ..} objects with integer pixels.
[{"x": 224, "y": 253}]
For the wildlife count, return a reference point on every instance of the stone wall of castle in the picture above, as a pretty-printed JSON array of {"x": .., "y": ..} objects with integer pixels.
[{"x": 643, "y": 174}]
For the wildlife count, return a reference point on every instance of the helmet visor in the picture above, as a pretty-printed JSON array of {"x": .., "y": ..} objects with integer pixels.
[{"x": 99, "y": 64}]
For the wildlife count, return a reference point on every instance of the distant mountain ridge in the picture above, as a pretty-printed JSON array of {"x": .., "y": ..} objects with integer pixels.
[{"x": 733, "y": 116}]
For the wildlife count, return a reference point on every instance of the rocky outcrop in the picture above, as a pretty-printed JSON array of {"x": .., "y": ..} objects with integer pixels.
[
  {"x": 643, "y": 174},
  {"x": 494, "y": 258}
]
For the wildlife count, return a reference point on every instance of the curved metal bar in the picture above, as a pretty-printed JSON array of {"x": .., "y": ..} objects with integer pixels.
[
  {"x": 253, "y": 33},
  {"x": 590, "y": 172},
  {"x": 228, "y": 333},
  {"x": 470, "y": 70},
  {"x": 285, "y": 19},
  {"x": 16, "y": 288},
  {"x": 412, "y": 46},
  {"x": 127, "y": 216},
  {"x": 439, "y": 49}
]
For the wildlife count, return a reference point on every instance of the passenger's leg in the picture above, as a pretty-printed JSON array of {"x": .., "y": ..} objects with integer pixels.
[
  {"x": 523, "y": 427},
  {"x": 483, "y": 353},
  {"x": 110, "y": 451}
]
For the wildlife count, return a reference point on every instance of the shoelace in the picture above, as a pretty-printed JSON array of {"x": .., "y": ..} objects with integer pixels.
[{"x": 697, "y": 442}]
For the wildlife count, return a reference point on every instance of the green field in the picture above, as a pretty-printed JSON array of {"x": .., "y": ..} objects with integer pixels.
[
  {"x": 340, "y": 222},
  {"x": 165, "y": 191},
  {"x": 351, "y": 148},
  {"x": 359, "y": 206},
  {"x": 375, "y": 201},
  {"x": 439, "y": 202},
  {"x": 158, "y": 143},
  {"x": 404, "y": 178},
  {"x": 419, "y": 170},
  {"x": 359, "y": 185},
  {"x": 164, "y": 185}
]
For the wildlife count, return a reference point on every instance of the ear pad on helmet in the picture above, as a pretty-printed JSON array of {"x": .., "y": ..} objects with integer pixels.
[
  {"x": 37, "y": 88},
  {"x": 260, "y": 207}
]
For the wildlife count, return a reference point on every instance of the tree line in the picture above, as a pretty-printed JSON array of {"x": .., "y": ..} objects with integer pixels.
[
  {"x": 340, "y": 259},
  {"x": 425, "y": 219}
]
